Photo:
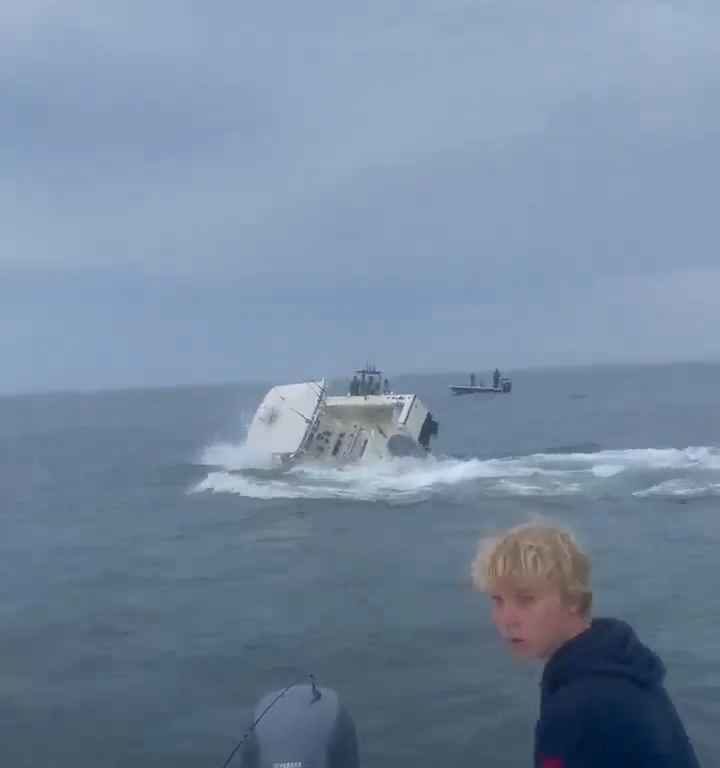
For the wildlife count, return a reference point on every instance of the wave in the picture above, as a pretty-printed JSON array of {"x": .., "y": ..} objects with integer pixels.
[
  {"x": 236, "y": 470},
  {"x": 679, "y": 488}
]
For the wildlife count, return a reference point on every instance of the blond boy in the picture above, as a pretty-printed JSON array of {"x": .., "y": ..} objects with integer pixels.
[{"x": 602, "y": 700}]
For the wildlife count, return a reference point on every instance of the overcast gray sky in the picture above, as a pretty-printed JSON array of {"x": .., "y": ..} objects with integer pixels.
[{"x": 197, "y": 192}]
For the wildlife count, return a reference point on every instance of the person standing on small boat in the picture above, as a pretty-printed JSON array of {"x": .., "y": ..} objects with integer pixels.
[{"x": 603, "y": 703}]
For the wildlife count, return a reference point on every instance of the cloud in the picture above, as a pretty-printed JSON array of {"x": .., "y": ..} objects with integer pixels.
[
  {"x": 409, "y": 167},
  {"x": 197, "y": 134}
]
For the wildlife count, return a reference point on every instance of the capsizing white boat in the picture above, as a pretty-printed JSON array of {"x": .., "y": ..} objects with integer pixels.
[{"x": 301, "y": 422}]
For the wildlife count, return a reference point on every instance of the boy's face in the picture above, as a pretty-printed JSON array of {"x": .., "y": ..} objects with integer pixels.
[{"x": 532, "y": 617}]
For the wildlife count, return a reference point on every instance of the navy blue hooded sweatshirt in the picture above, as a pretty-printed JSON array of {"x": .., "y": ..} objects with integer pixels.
[{"x": 603, "y": 704}]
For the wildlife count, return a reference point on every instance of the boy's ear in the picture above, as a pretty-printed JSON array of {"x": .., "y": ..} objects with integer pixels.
[{"x": 574, "y": 605}]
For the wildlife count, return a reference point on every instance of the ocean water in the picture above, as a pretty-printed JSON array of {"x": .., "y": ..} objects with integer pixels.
[{"x": 156, "y": 580}]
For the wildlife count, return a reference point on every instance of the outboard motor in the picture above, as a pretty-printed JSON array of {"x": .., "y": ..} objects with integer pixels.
[{"x": 303, "y": 726}]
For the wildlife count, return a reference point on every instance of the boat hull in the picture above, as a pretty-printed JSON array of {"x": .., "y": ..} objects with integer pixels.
[{"x": 300, "y": 423}]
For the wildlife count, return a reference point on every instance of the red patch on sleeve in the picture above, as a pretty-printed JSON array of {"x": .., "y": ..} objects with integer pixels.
[{"x": 552, "y": 762}]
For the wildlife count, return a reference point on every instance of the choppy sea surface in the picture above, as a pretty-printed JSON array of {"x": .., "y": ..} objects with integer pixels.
[{"x": 157, "y": 580}]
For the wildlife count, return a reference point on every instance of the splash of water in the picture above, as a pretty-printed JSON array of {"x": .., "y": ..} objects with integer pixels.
[
  {"x": 680, "y": 488},
  {"x": 238, "y": 471},
  {"x": 235, "y": 456}
]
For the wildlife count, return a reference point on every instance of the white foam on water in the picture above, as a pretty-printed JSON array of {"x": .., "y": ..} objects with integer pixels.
[
  {"x": 606, "y": 470},
  {"x": 235, "y": 470},
  {"x": 679, "y": 489},
  {"x": 235, "y": 456},
  {"x": 554, "y": 488},
  {"x": 693, "y": 457},
  {"x": 254, "y": 488}
]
